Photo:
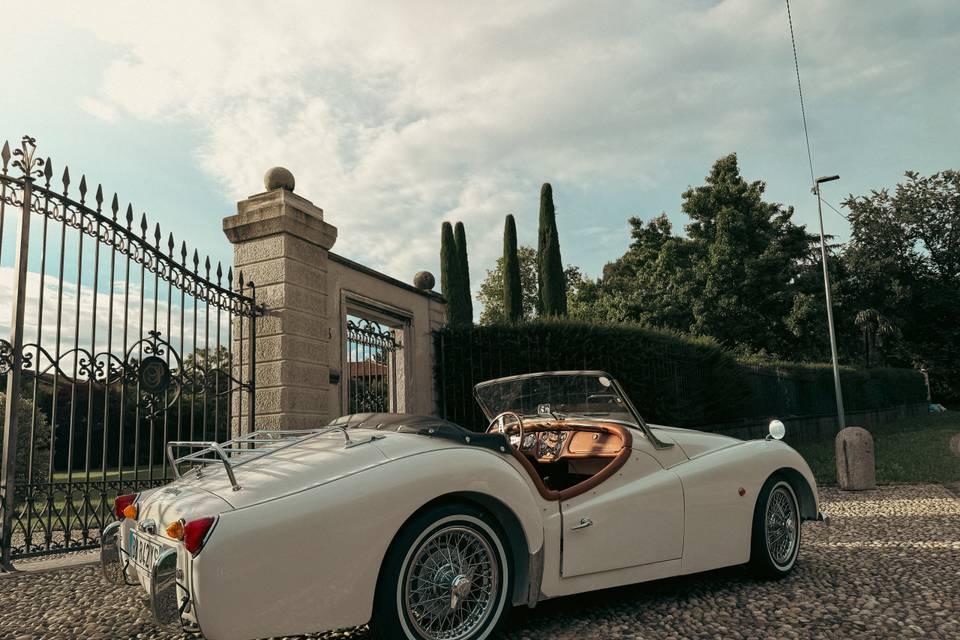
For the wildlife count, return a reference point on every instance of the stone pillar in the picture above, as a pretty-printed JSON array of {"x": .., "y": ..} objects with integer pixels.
[
  {"x": 281, "y": 244},
  {"x": 856, "y": 468}
]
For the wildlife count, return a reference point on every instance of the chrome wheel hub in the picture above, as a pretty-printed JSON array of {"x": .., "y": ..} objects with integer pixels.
[{"x": 451, "y": 585}]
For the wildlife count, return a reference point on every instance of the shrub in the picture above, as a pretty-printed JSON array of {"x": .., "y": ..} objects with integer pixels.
[
  {"x": 41, "y": 441},
  {"x": 672, "y": 379}
]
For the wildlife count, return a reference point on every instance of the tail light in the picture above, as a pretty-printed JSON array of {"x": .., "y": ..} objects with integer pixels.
[
  {"x": 122, "y": 502},
  {"x": 195, "y": 534}
]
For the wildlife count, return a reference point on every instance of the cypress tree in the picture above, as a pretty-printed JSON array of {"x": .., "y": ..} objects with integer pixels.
[
  {"x": 450, "y": 280},
  {"x": 551, "y": 287},
  {"x": 512, "y": 288},
  {"x": 466, "y": 302}
]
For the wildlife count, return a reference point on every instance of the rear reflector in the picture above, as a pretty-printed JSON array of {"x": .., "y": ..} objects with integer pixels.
[
  {"x": 122, "y": 502},
  {"x": 131, "y": 511},
  {"x": 195, "y": 534}
]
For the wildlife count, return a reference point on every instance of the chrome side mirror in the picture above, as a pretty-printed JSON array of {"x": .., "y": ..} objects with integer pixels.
[{"x": 776, "y": 430}]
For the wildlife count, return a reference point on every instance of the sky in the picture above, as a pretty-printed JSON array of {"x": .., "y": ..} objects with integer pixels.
[{"x": 397, "y": 116}]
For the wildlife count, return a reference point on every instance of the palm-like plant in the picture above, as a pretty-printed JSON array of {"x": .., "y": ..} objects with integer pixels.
[{"x": 876, "y": 329}]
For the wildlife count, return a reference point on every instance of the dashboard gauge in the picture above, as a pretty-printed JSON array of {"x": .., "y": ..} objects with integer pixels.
[
  {"x": 529, "y": 440},
  {"x": 551, "y": 444}
]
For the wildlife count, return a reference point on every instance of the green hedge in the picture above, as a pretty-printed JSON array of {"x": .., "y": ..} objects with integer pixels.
[{"x": 672, "y": 379}]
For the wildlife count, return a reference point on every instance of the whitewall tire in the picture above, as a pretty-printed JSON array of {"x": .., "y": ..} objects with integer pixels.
[{"x": 447, "y": 576}]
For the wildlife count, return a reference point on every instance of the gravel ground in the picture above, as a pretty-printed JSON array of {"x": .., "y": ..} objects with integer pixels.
[{"x": 888, "y": 566}]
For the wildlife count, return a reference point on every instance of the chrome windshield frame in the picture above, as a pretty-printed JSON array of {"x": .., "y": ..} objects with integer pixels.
[{"x": 641, "y": 424}]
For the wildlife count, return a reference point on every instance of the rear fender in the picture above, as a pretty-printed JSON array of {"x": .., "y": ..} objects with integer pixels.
[{"x": 310, "y": 560}]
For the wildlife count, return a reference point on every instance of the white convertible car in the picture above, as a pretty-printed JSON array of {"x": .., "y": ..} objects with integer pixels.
[{"x": 428, "y": 531}]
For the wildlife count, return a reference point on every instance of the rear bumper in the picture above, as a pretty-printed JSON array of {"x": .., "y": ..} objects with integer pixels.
[{"x": 168, "y": 595}]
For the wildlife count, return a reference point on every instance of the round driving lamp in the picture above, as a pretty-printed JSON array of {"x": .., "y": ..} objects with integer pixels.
[{"x": 777, "y": 430}]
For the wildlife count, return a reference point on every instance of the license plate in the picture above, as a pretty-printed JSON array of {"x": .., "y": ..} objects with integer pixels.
[{"x": 143, "y": 552}]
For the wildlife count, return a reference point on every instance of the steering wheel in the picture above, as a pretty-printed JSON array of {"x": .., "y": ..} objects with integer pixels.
[{"x": 498, "y": 424}]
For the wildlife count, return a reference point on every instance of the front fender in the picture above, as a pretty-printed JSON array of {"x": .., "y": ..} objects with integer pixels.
[
  {"x": 718, "y": 520},
  {"x": 309, "y": 561}
]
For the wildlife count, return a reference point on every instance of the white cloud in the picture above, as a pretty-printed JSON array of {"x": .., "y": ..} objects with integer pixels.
[
  {"x": 98, "y": 108},
  {"x": 395, "y": 116},
  {"x": 76, "y": 321}
]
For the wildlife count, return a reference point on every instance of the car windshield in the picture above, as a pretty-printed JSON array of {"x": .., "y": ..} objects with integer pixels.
[{"x": 558, "y": 394}]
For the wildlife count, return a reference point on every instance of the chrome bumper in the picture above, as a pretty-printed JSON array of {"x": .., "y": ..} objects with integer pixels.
[{"x": 165, "y": 579}]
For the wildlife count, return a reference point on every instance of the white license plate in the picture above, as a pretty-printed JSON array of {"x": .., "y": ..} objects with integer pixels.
[{"x": 142, "y": 551}]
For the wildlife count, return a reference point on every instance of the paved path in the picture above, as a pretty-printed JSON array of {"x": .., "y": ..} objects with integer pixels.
[{"x": 888, "y": 566}]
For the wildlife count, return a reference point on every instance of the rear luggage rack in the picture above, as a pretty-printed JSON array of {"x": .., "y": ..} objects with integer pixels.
[{"x": 238, "y": 451}]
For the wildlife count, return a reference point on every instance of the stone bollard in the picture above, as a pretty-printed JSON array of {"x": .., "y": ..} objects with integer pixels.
[{"x": 856, "y": 468}]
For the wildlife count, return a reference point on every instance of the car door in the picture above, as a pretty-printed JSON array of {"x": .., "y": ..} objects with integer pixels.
[{"x": 633, "y": 518}]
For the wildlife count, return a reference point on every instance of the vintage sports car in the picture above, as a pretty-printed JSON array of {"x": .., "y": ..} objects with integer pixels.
[{"x": 430, "y": 531}]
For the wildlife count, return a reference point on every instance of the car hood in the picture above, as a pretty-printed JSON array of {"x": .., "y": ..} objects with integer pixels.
[{"x": 694, "y": 443}]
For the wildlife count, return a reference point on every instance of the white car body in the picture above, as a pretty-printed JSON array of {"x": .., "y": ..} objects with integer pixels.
[{"x": 299, "y": 546}]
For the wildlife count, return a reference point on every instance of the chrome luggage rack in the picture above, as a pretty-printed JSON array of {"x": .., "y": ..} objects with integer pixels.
[{"x": 239, "y": 451}]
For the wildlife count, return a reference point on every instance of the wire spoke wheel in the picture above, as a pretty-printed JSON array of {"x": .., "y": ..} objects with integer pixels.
[
  {"x": 451, "y": 585},
  {"x": 781, "y": 526}
]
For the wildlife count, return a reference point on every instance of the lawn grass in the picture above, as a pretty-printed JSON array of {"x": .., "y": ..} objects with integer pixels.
[{"x": 916, "y": 450}]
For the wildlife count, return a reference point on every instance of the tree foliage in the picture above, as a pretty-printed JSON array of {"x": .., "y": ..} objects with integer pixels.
[
  {"x": 491, "y": 289},
  {"x": 452, "y": 283},
  {"x": 735, "y": 276},
  {"x": 903, "y": 261},
  {"x": 551, "y": 288},
  {"x": 466, "y": 300},
  {"x": 512, "y": 287}
]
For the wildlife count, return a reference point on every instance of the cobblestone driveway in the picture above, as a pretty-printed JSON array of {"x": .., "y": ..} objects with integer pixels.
[{"x": 887, "y": 567}]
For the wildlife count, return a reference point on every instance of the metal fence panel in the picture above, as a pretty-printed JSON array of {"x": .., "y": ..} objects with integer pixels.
[{"x": 119, "y": 341}]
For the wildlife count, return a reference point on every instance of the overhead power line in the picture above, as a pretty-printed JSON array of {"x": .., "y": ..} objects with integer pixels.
[{"x": 803, "y": 112}]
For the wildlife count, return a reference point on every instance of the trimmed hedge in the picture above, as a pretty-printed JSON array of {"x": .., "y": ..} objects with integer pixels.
[{"x": 672, "y": 379}]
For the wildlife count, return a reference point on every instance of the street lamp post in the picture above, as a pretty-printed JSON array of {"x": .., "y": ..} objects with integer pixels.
[{"x": 826, "y": 286}]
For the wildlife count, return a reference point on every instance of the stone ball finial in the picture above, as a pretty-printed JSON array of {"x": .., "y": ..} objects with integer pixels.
[
  {"x": 424, "y": 280},
  {"x": 279, "y": 178}
]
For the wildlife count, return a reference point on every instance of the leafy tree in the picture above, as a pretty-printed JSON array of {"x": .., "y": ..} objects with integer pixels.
[
  {"x": 904, "y": 263},
  {"x": 491, "y": 289},
  {"x": 512, "y": 286},
  {"x": 451, "y": 279},
  {"x": 734, "y": 276},
  {"x": 466, "y": 301},
  {"x": 551, "y": 289}
]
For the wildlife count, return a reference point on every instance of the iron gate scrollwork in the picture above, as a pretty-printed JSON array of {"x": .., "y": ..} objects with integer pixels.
[
  {"x": 372, "y": 374},
  {"x": 115, "y": 347}
]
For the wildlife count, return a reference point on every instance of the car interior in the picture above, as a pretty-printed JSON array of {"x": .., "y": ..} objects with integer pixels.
[{"x": 565, "y": 457}]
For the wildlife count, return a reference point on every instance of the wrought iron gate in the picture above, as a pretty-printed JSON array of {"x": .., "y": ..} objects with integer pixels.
[
  {"x": 372, "y": 372},
  {"x": 115, "y": 347}
]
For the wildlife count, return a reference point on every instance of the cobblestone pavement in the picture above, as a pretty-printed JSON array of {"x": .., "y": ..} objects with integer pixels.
[{"x": 888, "y": 566}]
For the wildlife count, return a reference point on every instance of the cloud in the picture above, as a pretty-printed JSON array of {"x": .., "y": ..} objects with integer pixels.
[
  {"x": 87, "y": 323},
  {"x": 395, "y": 116},
  {"x": 98, "y": 108}
]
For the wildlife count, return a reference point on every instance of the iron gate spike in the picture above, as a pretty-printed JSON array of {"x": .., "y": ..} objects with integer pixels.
[
  {"x": 115, "y": 206},
  {"x": 48, "y": 172},
  {"x": 99, "y": 197},
  {"x": 66, "y": 180},
  {"x": 129, "y": 217},
  {"x": 5, "y": 154},
  {"x": 83, "y": 187}
]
